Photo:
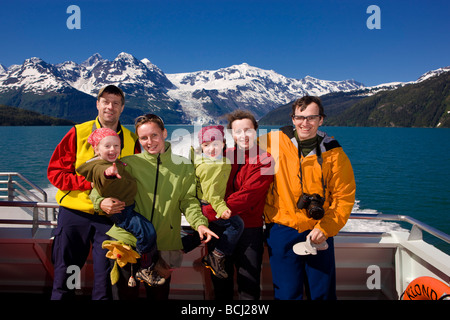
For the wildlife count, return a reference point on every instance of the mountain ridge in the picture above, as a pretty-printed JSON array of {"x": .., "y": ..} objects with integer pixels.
[
  {"x": 195, "y": 97},
  {"x": 424, "y": 103}
]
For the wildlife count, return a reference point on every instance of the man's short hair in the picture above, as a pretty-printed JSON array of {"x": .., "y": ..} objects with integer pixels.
[
  {"x": 305, "y": 101},
  {"x": 112, "y": 89}
]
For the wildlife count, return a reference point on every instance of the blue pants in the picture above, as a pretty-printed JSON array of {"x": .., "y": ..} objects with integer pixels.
[
  {"x": 290, "y": 272},
  {"x": 229, "y": 238},
  {"x": 140, "y": 227},
  {"x": 74, "y": 235}
]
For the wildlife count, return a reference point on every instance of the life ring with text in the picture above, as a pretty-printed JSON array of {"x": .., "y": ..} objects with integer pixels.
[{"x": 426, "y": 288}]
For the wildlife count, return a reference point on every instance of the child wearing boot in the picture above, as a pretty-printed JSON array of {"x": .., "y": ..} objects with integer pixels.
[{"x": 108, "y": 175}]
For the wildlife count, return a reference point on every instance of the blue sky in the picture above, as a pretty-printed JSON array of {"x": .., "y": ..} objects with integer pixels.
[{"x": 325, "y": 39}]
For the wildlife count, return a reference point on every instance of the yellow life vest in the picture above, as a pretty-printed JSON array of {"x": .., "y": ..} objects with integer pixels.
[{"x": 77, "y": 199}]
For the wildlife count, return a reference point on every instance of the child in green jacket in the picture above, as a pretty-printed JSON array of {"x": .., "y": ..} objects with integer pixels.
[{"x": 212, "y": 171}]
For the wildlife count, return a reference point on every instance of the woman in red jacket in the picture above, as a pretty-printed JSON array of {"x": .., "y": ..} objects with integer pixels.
[{"x": 250, "y": 177}]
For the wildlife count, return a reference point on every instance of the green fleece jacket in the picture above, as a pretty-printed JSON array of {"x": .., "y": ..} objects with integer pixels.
[
  {"x": 175, "y": 194},
  {"x": 212, "y": 177},
  {"x": 123, "y": 189}
]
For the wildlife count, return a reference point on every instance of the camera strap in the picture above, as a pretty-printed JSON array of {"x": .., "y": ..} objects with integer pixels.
[{"x": 319, "y": 160}]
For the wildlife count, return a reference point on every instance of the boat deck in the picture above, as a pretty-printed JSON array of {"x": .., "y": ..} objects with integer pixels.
[{"x": 369, "y": 265}]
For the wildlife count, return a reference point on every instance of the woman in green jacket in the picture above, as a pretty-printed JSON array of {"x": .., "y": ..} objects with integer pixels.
[{"x": 166, "y": 186}]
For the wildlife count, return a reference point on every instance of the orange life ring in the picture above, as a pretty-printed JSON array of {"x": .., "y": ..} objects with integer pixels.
[{"x": 426, "y": 288}]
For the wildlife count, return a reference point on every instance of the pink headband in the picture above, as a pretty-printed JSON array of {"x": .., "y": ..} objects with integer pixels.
[
  {"x": 99, "y": 134},
  {"x": 211, "y": 133}
]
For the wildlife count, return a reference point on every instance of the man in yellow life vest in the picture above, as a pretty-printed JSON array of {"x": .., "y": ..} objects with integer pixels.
[{"x": 78, "y": 225}]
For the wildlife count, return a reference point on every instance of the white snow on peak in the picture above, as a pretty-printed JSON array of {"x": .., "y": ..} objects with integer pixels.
[
  {"x": 125, "y": 56},
  {"x": 432, "y": 73},
  {"x": 92, "y": 61},
  {"x": 246, "y": 86},
  {"x": 394, "y": 85},
  {"x": 198, "y": 93},
  {"x": 34, "y": 75}
]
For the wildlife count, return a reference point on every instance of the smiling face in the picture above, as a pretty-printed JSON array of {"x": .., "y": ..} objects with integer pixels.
[
  {"x": 307, "y": 129},
  {"x": 151, "y": 137},
  {"x": 109, "y": 107},
  {"x": 108, "y": 148},
  {"x": 213, "y": 149},
  {"x": 244, "y": 133}
]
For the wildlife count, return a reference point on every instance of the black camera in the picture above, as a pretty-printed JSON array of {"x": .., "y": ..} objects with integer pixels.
[{"x": 313, "y": 205}]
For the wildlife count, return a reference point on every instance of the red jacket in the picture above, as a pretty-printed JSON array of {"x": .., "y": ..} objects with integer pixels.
[{"x": 250, "y": 177}]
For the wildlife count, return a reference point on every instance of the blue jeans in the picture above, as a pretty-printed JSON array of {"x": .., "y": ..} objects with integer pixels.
[
  {"x": 140, "y": 227},
  {"x": 229, "y": 238},
  {"x": 290, "y": 272}
]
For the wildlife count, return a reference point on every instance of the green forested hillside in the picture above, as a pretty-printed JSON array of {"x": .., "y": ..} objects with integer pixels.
[
  {"x": 424, "y": 104},
  {"x": 12, "y": 116},
  {"x": 333, "y": 103}
]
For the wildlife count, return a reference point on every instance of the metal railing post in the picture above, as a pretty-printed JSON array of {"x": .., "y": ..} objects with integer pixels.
[{"x": 10, "y": 186}]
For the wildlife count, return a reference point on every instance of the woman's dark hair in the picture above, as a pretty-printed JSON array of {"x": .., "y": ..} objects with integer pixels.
[
  {"x": 239, "y": 115},
  {"x": 150, "y": 117}
]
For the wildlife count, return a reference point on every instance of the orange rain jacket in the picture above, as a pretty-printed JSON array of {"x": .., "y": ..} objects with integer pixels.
[{"x": 284, "y": 192}]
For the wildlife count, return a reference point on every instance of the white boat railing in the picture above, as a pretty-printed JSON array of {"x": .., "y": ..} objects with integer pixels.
[
  {"x": 35, "y": 220},
  {"x": 17, "y": 187},
  {"x": 17, "y": 195},
  {"x": 417, "y": 226},
  {"x": 415, "y": 232}
]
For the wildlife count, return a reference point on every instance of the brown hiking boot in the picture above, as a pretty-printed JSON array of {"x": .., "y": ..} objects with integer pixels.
[
  {"x": 150, "y": 276},
  {"x": 216, "y": 264}
]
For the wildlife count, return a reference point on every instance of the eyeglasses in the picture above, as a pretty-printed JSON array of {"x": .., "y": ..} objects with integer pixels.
[{"x": 308, "y": 118}]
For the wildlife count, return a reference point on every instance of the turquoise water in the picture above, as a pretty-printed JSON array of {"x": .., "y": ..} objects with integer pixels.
[{"x": 397, "y": 170}]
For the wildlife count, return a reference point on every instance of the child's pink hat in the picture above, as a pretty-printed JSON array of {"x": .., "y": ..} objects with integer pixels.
[
  {"x": 211, "y": 133},
  {"x": 99, "y": 134}
]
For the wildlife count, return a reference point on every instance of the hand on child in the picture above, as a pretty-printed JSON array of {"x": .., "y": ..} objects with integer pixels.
[
  {"x": 112, "y": 172},
  {"x": 226, "y": 214},
  {"x": 112, "y": 205}
]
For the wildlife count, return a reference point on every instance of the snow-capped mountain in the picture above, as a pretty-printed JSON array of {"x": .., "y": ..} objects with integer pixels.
[
  {"x": 34, "y": 75},
  {"x": 38, "y": 86},
  {"x": 144, "y": 84},
  {"x": 243, "y": 86},
  {"x": 134, "y": 76},
  {"x": 432, "y": 73},
  {"x": 395, "y": 85},
  {"x": 195, "y": 97}
]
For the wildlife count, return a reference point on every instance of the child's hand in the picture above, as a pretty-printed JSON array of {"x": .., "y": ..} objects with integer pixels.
[
  {"x": 112, "y": 172},
  {"x": 226, "y": 214}
]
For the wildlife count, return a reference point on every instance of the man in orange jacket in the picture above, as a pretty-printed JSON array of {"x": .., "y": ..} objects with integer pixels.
[{"x": 310, "y": 200}]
